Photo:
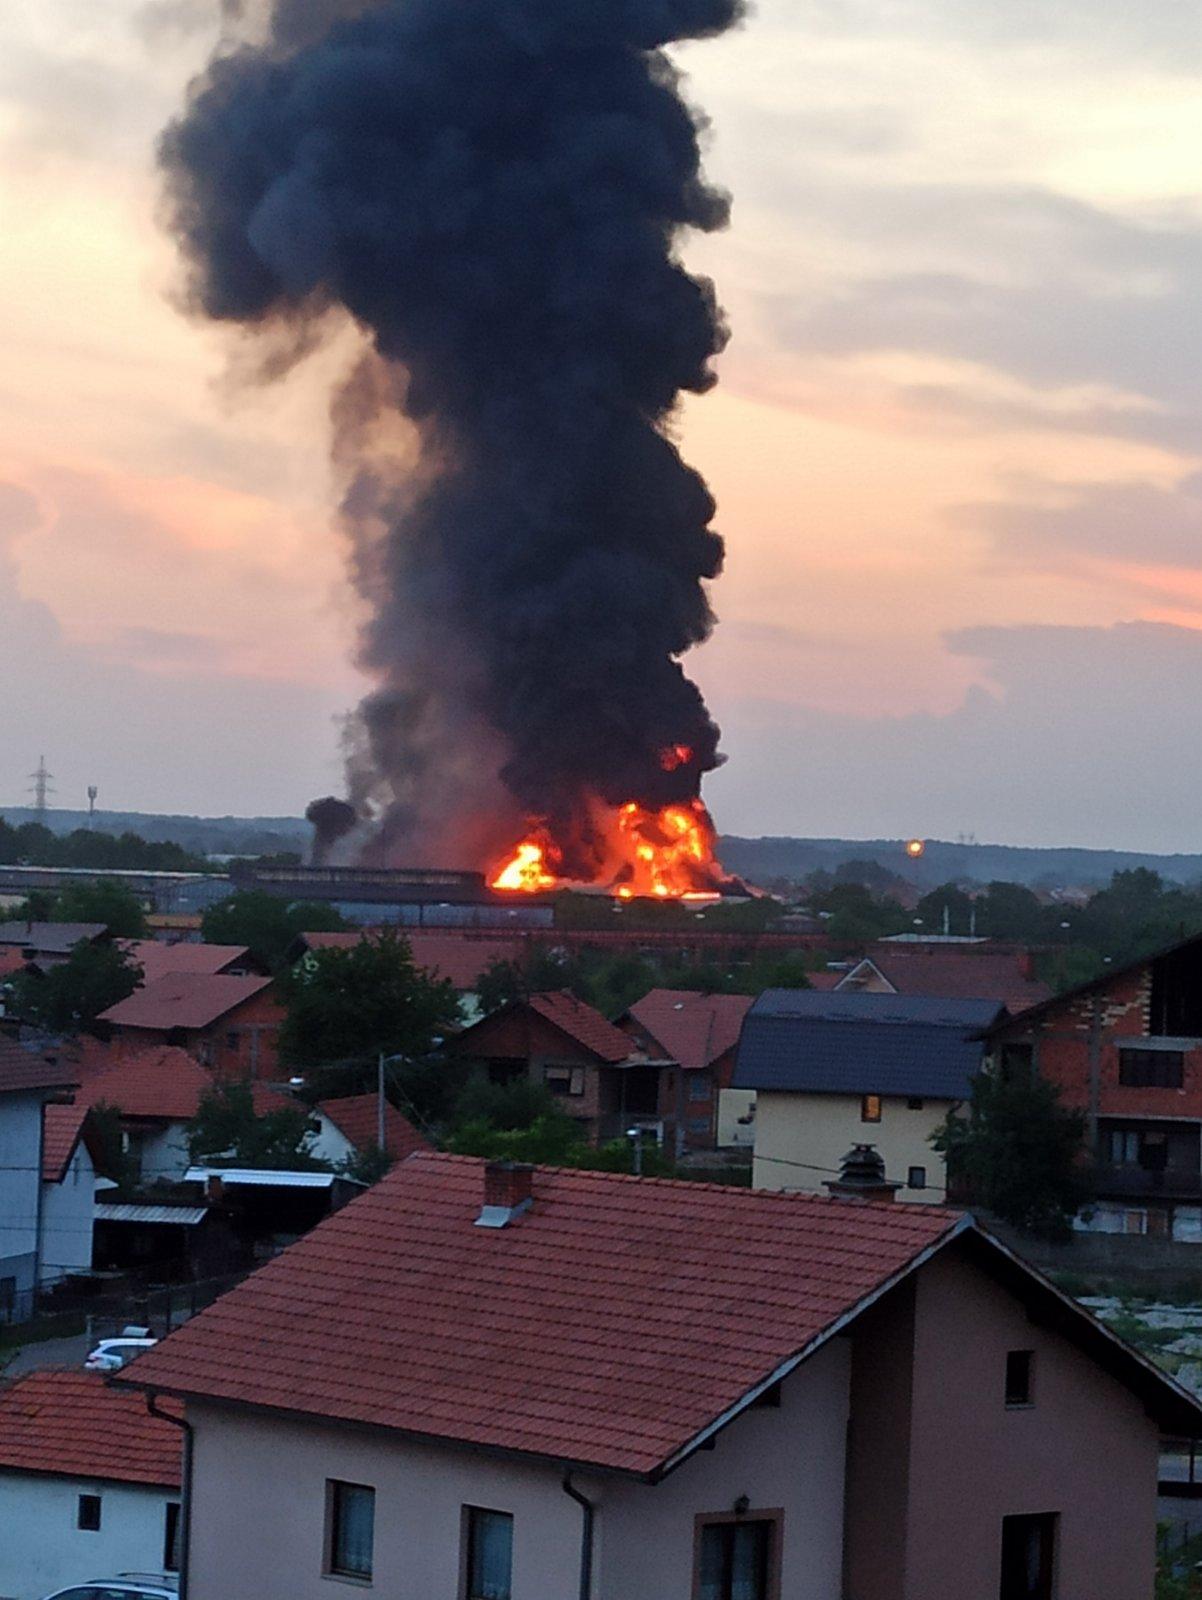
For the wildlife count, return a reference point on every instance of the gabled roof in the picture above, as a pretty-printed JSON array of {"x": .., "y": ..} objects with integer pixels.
[
  {"x": 50, "y": 938},
  {"x": 617, "y": 1324},
  {"x": 160, "y": 1083},
  {"x": 74, "y": 1425},
  {"x": 183, "y": 1000},
  {"x": 22, "y": 1071},
  {"x": 357, "y": 1118},
  {"x": 805, "y": 1041},
  {"x": 582, "y": 1022},
  {"x": 63, "y": 1127},
  {"x": 159, "y": 959},
  {"x": 958, "y": 972},
  {"x": 690, "y": 1028}
]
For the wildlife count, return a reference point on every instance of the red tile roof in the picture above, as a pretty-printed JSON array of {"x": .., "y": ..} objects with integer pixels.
[
  {"x": 461, "y": 957},
  {"x": 160, "y": 1082},
  {"x": 968, "y": 973},
  {"x": 62, "y": 1129},
  {"x": 73, "y": 1424},
  {"x": 357, "y": 1116},
  {"x": 183, "y": 1000},
  {"x": 610, "y": 1325},
  {"x": 584, "y": 1023},
  {"x": 159, "y": 959},
  {"x": 21, "y": 1070},
  {"x": 692, "y": 1029}
]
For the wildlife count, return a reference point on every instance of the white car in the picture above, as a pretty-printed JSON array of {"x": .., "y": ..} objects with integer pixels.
[
  {"x": 110, "y": 1355},
  {"x": 125, "y": 1586}
]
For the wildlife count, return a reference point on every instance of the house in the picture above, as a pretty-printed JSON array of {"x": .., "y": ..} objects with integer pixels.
[
  {"x": 830, "y": 1070},
  {"x": 49, "y": 943},
  {"x": 503, "y": 1383},
  {"x": 27, "y": 1084},
  {"x": 1126, "y": 1050},
  {"x": 230, "y": 1024},
  {"x": 605, "y": 1082},
  {"x": 161, "y": 959},
  {"x": 970, "y": 971},
  {"x": 71, "y": 1156},
  {"x": 460, "y": 956},
  {"x": 698, "y": 1033},
  {"x": 89, "y": 1483},
  {"x": 350, "y": 1126}
]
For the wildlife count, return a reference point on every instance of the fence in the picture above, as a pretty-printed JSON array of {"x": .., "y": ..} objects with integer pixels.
[{"x": 35, "y": 1315}]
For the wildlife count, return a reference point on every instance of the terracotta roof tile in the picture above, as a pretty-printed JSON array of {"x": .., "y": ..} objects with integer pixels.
[
  {"x": 584, "y": 1023},
  {"x": 693, "y": 1029},
  {"x": 968, "y": 973},
  {"x": 158, "y": 959},
  {"x": 357, "y": 1116},
  {"x": 22, "y": 1070},
  {"x": 62, "y": 1129},
  {"x": 563, "y": 1335},
  {"x": 72, "y": 1423},
  {"x": 162, "y": 1082},
  {"x": 183, "y": 1000}
]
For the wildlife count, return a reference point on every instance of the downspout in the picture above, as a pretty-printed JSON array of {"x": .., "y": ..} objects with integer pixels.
[
  {"x": 185, "y": 1508},
  {"x": 586, "y": 1536}
]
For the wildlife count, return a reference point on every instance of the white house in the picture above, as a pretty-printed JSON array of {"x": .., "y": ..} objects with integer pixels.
[
  {"x": 68, "y": 1216},
  {"x": 27, "y": 1083},
  {"x": 351, "y": 1125},
  {"x": 89, "y": 1484},
  {"x": 494, "y": 1383}
]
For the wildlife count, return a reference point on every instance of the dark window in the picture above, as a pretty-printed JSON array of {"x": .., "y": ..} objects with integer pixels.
[
  {"x": 351, "y": 1521},
  {"x": 564, "y": 1080},
  {"x": 1028, "y": 1557},
  {"x": 233, "y": 1040},
  {"x": 88, "y": 1515},
  {"x": 1151, "y": 1069},
  {"x": 698, "y": 1126},
  {"x": 489, "y": 1555},
  {"x": 1019, "y": 1366},
  {"x": 915, "y": 1103},
  {"x": 870, "y": 1108},
  {"x": 917, "y": 1178},
  {"x": 171, "y": 1538},
  {"x": 735, "y": 1560},
  {"x": 699, "y": 1085},
  {"x": 1017, "y": 1062}
]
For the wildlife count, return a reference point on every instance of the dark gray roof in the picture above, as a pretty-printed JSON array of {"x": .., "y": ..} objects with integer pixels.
[
  {"x": 821, "y": 1042},
  {"x": 49, "y": 938}
]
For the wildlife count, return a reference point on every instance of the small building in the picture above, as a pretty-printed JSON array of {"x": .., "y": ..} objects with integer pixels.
[
  {"x": 28, "y": 1083},
  {"x": 71, "y": 1153},
  {"x": 230, "y": 1024},
  {"x": 698, "y": 1033},
  {"x": 47, "y": 944},
  {"x": 830, "y": 1070},
  {"x": 350, "y": 1126},
  {"x": 89, "y": 1484},
  {"x": 161, "y": 958},
  {"x": 491, "y": 1381},
  {"x": 1126, "y": 1050}
]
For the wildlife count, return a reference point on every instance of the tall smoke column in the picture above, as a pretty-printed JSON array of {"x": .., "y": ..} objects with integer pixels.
[{"x": 494, "y": 190}]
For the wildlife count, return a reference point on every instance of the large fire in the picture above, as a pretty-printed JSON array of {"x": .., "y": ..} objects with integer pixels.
[{"x": 666, "y": 854}]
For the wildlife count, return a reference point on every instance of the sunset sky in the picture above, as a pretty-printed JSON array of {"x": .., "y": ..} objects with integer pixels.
[{"x": 955, "y": 445}]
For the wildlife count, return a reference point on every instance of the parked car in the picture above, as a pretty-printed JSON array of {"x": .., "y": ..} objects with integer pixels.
[
  {"x": 125, "y": 1586},
  {"x": 110, "y": 1355}
]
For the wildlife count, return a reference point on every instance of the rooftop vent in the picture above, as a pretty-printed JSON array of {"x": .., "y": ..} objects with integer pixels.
[
  {"x": 508, "y": 1192},
  {"x": 862, "y": 1176}
]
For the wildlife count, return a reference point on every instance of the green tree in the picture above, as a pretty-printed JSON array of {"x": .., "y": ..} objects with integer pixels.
[
  {"x": 227, "y": 1126},
  {"x": 1011, "y": 911},
  {"x": 540, "y": 971},
  {"x": 355, "y": 1004},
  {"x": 102, "y": 900},
  {"x": 267, "y": 925},
  {"x": 1018, "y": 1152},
  {"x": 114, "y": 1161},
  {"x": 947, "y": 903},
  {"x": 70, "y": 996},
  {"x": 853, "y": 913}
]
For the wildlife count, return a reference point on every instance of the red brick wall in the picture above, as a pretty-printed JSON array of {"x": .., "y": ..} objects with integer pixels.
[{"x": 245, "y": 1042}]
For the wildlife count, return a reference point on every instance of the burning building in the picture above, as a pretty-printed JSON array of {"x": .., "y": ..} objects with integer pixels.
[{"x": 494, "y": 193}]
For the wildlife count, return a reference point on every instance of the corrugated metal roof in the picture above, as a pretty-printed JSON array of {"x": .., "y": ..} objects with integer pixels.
[
  {"x": 264, "y": 1177},
  {"x": 184, "y": 1216},
  {"x": 807, "y": 1041}
]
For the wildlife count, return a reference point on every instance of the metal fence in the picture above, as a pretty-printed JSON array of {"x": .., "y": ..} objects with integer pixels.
[{"x": 35, "y": 1315}]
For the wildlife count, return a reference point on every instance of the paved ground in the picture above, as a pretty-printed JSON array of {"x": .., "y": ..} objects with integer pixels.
[{"x": 70, "y": 1352}]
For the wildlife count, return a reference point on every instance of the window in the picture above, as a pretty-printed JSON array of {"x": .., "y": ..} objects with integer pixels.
[
  {"x": 564, "y": 1080},
  {"x": 1028, "y": 1557},
  {"x": 870, "y": 1108},
  {"x": 350, "y": 1520},
  {"x": 233, "y": 1040},
  {"x": 1151, "y": 1069},
  {"x": 1019, "y": 1368},
  {"x": 737, "y": 1559},
  {"x": 915, "y": 1103},
  {"x": 699, "y": 1085},
  {"x": 698, "y": 1126},
  {"x": 917, "y": 1178},
  {"x": 489, "y": 1554},
  {"x": 87, "y": 1517},
  {"x": 171, "y": 1538}
]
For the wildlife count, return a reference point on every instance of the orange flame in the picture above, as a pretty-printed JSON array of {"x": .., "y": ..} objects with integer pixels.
[
  {"x": 666, "y": 854},
  {"x": 676, "y": 755}
]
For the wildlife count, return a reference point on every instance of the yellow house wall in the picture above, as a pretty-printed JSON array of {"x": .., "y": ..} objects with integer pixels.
[{"x": 817, "y": 1131}]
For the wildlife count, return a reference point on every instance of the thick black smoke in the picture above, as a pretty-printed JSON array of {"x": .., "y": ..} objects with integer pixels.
[
  {"x": 494, "y": 190},
  {"x": 332, "y": 820}
]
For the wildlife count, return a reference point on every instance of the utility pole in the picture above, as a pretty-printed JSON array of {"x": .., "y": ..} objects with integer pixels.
[
  {"x": 43, "y": 787},
  {"x": 380, "y": 1103}
]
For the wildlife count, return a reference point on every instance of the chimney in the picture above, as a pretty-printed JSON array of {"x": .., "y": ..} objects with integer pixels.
[
  {"x": 508, "y": 1192},
  {"x": 862, "y": 1176}
]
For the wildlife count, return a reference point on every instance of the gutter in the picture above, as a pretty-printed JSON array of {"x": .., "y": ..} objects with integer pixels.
[
  {"x": 185, "y": 1509},
  {"x": 586, "y": 1534}
]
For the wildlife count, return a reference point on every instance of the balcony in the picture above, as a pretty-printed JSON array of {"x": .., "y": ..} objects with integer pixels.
[{"x": 1144, "y": 1183}]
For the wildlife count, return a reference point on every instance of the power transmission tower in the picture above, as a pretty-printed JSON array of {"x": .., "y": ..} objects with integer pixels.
[{"x": 43, "y": 787}]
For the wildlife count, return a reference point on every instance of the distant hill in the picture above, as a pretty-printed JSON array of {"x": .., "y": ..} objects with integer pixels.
[
  {"x": 225, "y": 836},
  {"x": 759, "y": 860}
]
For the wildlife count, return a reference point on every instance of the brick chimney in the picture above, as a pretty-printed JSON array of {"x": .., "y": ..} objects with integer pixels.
[
  {"x": 862, "y": 1176},
  {"x": 508, "y": 1192}
]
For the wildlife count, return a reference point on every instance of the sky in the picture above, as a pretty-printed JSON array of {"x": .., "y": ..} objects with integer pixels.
[{"x": 956, "y": 442}]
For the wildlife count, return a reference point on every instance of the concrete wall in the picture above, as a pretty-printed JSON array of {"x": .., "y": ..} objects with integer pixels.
[
  {"x": 20, "y": 1185},
  {"x": 330, "y": 1143},
  {"x": 68, "y": 1217},
  {"x": 42, "y": 1549},
  {"x": 163, "y": 1151},
  {"x": 817, "y": 1130},
  {"x": 734, "y": 1104},
  {"x": 251, "y": 1474}
]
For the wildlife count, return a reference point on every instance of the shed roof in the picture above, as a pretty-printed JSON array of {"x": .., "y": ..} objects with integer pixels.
[
  {"x": 73, "y": 1424},
  {"x": 806, "y": 1041},
  {"x": 691, "y": 1028},
  {"x": 184, "y": 1000}
]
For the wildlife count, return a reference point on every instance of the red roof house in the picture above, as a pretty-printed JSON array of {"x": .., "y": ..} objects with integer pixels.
[
  {"x": 698, "y": 1033},
  {"x": 159, "y": 959},
  {"x": 355, "y": 1120},
  {"x": 230, "y": 1024},
  {"x": 949, "y": 972}
]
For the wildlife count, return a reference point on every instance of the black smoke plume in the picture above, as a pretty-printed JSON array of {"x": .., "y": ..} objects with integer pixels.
[
  {"x": 332, "y": 819},
  {"x": 494, "y": 190}
]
